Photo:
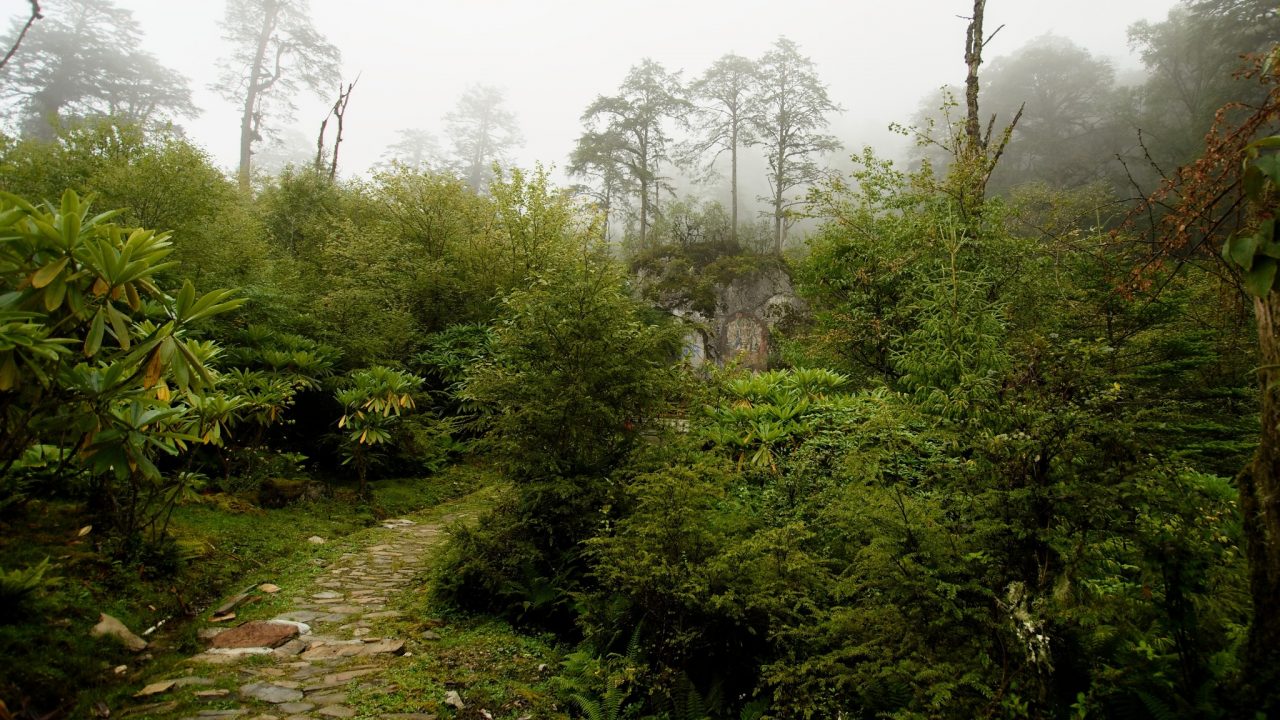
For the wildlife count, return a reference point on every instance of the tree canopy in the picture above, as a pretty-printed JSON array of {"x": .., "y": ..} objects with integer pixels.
[{"x": 84, "y": 60}]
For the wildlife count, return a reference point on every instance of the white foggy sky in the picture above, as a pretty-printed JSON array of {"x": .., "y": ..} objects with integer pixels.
[{"x": 552, "y": 57}]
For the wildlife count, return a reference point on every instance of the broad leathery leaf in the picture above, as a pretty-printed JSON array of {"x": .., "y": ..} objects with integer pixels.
[
  {"x": 70, "y": 217},
  {"x": 1272, "y": 141},
  {"x": 1259, "y": 280},
  {"x": 1241, "y": 250},
  {"x": 1266, "y": 234},
  {"x": 194, "y": 363},
  {"x": 186, "y": 296},
  {"x": 166, "y": 349},
  {"x": 181, "y": 375},
  {"x": 151, "y": 287},
  {"x": 1269, "y": 164},
  {"x": 20, "y": 201},
  {"x": 212, "y": 303},
  {"x": 135, "y": 302},
  {"x": 93, "y": 341},
  {"x": 54, "y": 293},
  {"x": 10, "y": 216},
  {"x": 119, "y": 325},
  {"x": 75, "y": 301},
  {"x": 46, "y": 274},
  {"x": 99, "y": 218},
  {"x": 49, "y": 231},
  {"x": 138, "y": 238},
  {"x": 155, "y": 366}
]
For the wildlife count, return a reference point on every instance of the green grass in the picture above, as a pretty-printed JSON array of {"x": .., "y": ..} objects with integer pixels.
[
  {"x": 494, "y": 667},
  {"x": 48, "y": 660}
]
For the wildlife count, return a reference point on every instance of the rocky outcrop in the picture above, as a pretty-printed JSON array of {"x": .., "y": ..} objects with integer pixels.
[{"x": 748, "y": 309}]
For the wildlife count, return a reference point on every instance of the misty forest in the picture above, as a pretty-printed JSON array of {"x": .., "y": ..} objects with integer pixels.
[{"x": 723, "y": 412}]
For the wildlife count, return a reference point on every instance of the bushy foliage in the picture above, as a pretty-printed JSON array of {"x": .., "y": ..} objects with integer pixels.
[
  {"x": 88, "y": 367},
  {"x": 993, "y": 510},
  {"x": 373, "y": 401},
  {"x": 157, "y": 180},
  {"x": 575, "y": 377}
]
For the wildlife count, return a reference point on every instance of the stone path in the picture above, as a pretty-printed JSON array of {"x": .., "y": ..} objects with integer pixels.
[{"x": 300, "y": 664}]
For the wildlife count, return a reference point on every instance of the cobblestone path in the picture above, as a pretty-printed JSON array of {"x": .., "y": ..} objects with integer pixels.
[{"x": 335, "y": 634}]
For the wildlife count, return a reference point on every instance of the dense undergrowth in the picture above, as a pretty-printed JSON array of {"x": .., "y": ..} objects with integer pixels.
[{"x": 215, "y": 548}]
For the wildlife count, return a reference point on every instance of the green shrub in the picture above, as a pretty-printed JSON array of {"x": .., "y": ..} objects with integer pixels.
[
  {"x": 79, "y": 286},
  {"x": 19, "y": 590}
]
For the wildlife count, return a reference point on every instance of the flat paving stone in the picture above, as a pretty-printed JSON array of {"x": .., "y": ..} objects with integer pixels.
[
  {"x": 299, "y": 615},
  {"x": 328, "y": 698},
  {"x": 257, "y": 634},
  {"x": 270, "y": 692},
  {"x": 211, "y": 694}
]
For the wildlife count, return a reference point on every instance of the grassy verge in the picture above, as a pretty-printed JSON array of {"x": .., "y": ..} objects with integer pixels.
[{"x": 49, "y": 662}]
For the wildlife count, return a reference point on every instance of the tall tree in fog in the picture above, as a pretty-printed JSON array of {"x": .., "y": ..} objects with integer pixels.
[
  {"x": 600, "y": 161},
  {"x": 83, "y": 60},
  {"x": 482, "y": 132},
  {"x": 288, "y": 147},
  {"x": 630, "y": 130},
  {"x": 1070, "y": 132},
  {"x": 789, "y": 119},
  {"x": 275, "y": 52},
  {"x": 1191, "y": 57},
  {"x": 1252, "y": 25},
  {"x": 722, "y": 99},
  {"x": 416, "y": 149}
]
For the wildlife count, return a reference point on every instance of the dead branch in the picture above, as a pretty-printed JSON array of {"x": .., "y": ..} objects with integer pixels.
[
  {"x": 973, "y": 59},
  {"x": 340, "y": 111},
  {"x": 35, "y": 15}
]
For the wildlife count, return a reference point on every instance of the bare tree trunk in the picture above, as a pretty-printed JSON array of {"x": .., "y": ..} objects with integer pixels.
[
  {"x": 340, "y": 112},
  {"x": 733, "y": 178},
  {"x": 644, "y": 212},
  {"x": 476, "y": 173},
  {"x": 973, "y": 43},
  {"x": 607, "y": 207},
  {"x": 645, "y": 179},
  {"x": 654, "y": 207},
  {"x": 35, "y": 15},
  {"x": 318, "y": 165},
  {"x": 777, "y": 201},
  {"x": 976, "y": 159},
  {"x": 256, "y": 85}
]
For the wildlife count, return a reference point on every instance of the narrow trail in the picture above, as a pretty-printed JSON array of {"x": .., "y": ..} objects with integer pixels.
[{"x": 335, "y": 633}]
